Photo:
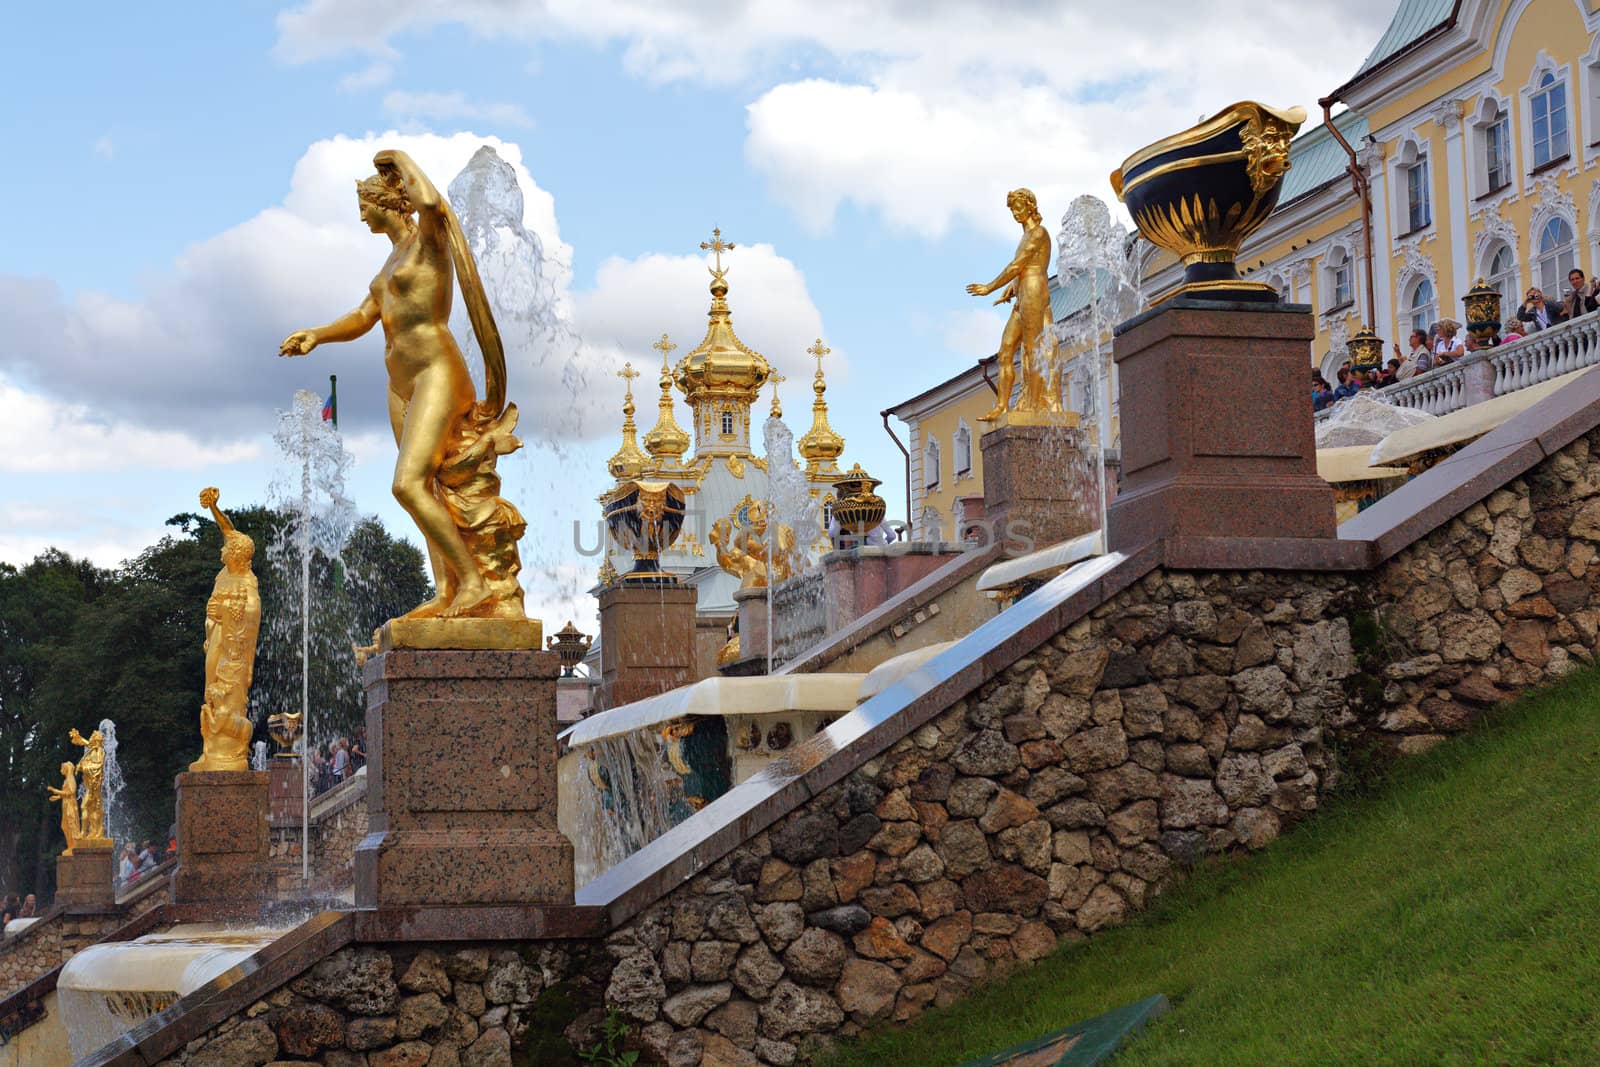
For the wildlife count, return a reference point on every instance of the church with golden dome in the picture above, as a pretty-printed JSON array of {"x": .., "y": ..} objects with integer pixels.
[{"x": 717, "y": 465}]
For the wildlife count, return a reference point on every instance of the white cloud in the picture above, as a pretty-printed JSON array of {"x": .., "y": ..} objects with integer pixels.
[
  {"x": 105, "y": 147},
  {"x": 634, "y": 301},
  {"x": 42, "y": 434},
  {"x": 975, "y": 332},
  {"x": 943, "y": 105},
  {"x": 374, "y": 74},
  {"x": 404, "y": 106}
]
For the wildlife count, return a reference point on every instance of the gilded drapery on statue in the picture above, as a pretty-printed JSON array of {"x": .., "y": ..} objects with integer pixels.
[
  {"x": 92, "y": 773},
  {"x": 448, "y": 440},
  {"x": 744, "y": 546},
  {"x": 67, "y": 796},
  {"x": 233, "y": 622},
  {"x": 1029, "y": 332}
]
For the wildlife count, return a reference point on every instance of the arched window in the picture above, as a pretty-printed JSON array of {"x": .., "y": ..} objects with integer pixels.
[
  {"x": 1549, "y": 113},
  {"x": 1501, "y": 274},
  {"x": 1557, "y": 255},
  {"x": 727, "y": 423},
  {"x": 1340, "y": 279},
  {"x": 1413, "y": 163},
  {"x": 930, "y": 466},
  {"x": 1495, "y": 137},
  {"x": 963, "y": 451},
  {"x": 1424, "y": 305}
]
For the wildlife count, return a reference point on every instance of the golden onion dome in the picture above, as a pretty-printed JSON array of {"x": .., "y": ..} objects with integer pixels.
[
  {"x": 721, "y": 365},
  {"x": 628, "y": 461},
  {"x": 666, "y": 440},
  {"x": 821, "y": 446}
]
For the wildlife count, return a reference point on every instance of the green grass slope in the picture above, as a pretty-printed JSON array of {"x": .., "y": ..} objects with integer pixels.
[{"x": 1449, "y": 915}]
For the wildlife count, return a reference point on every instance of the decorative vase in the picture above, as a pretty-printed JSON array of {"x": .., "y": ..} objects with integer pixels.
[
  {"x": 1482, "y": 302},
  {"x": 570, "y": 645},
  {"x": 1200, "y": 193},
  {"x": 856, "y": 506},
  {"x": 645, "y": 517}
]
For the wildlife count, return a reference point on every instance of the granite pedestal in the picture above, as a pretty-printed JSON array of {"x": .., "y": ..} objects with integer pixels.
[
  {"x": 285, "y": 790},
  {"x": 85, "y": 879},
  {"x": 1217, "y": 438},
  {"x": 461, "y": 781},
  {"x": 224, "y": 846},
  {"x": 647, "y": 641},
  {"x": 1038, "y": 487},
  {"x": 751, "y": 605}
]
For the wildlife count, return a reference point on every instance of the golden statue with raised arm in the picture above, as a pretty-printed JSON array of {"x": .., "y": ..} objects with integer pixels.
[
  {"x": 445, "y": 476},
  {"x": 233, "y": 622},
  {"x": 744, "y": 546},
  {"x": 92, "y": 772},
  {"x": 1029, "y": 331},
  {"x": 68, "y": 796}
]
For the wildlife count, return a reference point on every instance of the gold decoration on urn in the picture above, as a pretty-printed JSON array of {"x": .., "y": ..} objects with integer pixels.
[
  {"x": 1482, "y": 303},
  {"x": 233, "y": 622},
  {"x": 570, "y": 645},
  {"x": 744, "y": 547},
  {"x": 858, "y": 509},
  {"x": 284, "y": 729},
  {"x": 644, "y": 516},
  {"x": 1200, "y": 193},
  {"x": 92, "y": 775},
  {"x": 1029, "y": 336},
  {"x": 449, "y": 441},
  {"x": 1366, "y": 349},
  {"x": 821, "y": 447}
]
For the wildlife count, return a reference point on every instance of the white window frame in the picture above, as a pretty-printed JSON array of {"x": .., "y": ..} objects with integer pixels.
[
  {"x": 1419, "y": 316},
  {"x": 1551, "y": 265},
  {"x": 1492, "y": 111},
  {"x": 930, "y": 461},
  {"x": 1509, "y": 283},
  {"x": 1411, "y": 157},
  {"x": 1338, "y": 258},
  {"x": 727, "y": 426},
  {"x": 963, "y": 450},
  {"x": 1561, "y": 75}
]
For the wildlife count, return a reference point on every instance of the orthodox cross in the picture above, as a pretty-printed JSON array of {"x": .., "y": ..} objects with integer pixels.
[
  {"x": 628, "y": 374},
  {"x": 819, "y": 350},
  {"x": 717, "y": 246},
  {"x": 775, "y": 378},
  {"x": 665, "y": 347}
]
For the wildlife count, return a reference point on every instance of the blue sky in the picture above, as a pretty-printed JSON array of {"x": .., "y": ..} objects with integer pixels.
[{"x": 152, "y": 163}]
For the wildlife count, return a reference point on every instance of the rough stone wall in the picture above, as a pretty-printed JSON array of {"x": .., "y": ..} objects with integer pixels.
[
  {"x": 334, "y": 837},
  {"x": 1191, "y": 713},
  {"x": 49, "y": 944}
]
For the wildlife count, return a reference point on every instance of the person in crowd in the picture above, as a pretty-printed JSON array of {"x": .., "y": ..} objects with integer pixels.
[
  {"x": 340, "y": 751},
  {"x": 1513, "y": 332},
  {"x": 1321, "y": 392},
  {"x": 1449, "y": 347},
  {"x": 9, "y": 910},
  {"x": 1348, "y": 385},
  {"x": 148, "y": 860},
  {"x": 1535, "y": 313},
  {"x": 317, "y": 773},
  {"x": 1582, "y": 297},
  {"x": 30, "y": 907},
  {"x": 358, "y": 750},
  {"x": 1389, "y": 374},
  {"x": 128, "y": 868}
]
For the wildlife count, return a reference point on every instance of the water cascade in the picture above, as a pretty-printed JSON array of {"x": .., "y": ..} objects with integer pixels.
[
  {"x": 258, "y": 756},
  {"x": 790, "y": 503},
  {"x": 119, "y": 821},
  {"x": 1095, "y": 261},
  {"x": 615, "y": 796}
]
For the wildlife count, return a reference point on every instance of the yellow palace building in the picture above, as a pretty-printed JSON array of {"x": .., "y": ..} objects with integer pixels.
[{"x": 1477, "y": 126}]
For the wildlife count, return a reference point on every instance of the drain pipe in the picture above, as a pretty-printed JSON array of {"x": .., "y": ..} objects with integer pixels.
[
  {"x": 895, "y": 438},
  {"x": 1363, "y": 189}
]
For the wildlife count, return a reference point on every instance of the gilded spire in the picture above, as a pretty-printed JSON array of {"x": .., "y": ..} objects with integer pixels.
[
  {"x": 820, "y": 446},
  {"x": 667, "y": 441},
  {"x": 775, "y": 380},
  {"x": 629, "y": 461},
  {"x": 721, "y": 377}
]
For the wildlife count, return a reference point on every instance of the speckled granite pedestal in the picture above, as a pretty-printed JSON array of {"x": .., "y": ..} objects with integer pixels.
[
  {"x": 1038, "y": 490},
  {"x": 84, "y": 879},
  {"x": 647, "y": 641},
  {"x": 1217, "y": 441},
  {"x": 224, "y": 849},
  {"x": 461, "y": 781}
]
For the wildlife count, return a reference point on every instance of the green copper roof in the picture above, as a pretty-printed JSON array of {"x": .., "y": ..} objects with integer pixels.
[
  {"x": 1411, "y": 20},
  {"x": 1315, "y": 158}
]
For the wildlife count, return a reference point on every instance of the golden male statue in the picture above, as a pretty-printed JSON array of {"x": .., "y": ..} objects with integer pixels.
[
  {"x": 743, "y": 546},
  {"x": 92, "y": 772},
  {"x": 1028, "y": 331},
  {"x": 233, "y": 622},
  {"x": 445, "y": 476}
]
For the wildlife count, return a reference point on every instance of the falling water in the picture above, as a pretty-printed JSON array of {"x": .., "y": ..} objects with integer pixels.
[
  {"x": 618, "y": 799},
  {"x": 309, "y": 490},
  {"x": 119, "y": 824},
  {"x": 258, "y": 756},
  {"x": 1094, "y": 256}
]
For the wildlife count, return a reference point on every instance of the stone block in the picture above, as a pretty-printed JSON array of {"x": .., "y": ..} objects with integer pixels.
[
  {"x": 224, "y": 846},
  {"x": 84, "y": 880}
]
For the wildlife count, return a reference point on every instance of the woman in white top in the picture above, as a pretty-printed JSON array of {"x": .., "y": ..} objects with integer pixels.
[
  {"x": 1449, "y": 345},
  {"x": 341, "y": 761}
]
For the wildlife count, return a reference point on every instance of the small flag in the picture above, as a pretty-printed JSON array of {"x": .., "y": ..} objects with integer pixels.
[
  {"x": 327, "y": 410},
  {"x": 330, "y": 410}
]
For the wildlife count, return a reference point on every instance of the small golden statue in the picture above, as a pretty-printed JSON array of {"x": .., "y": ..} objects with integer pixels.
[
  {"x": 92, "y": 772},
  {"x": 68, "y": 796},
  {"x": 233, "y": 621},
  {"x": 1029, "y": 331},
  {"x": 284, "y": 729},
  {"x": 449, "y": 442},
  {"x": 743, "y": 546}
]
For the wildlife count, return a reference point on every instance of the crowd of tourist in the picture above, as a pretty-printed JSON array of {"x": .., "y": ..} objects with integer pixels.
[
  {"x": 342, "y": 758},
  {"x": 139, "y": 860},
  {"x": 13, "y": 908},
  {"x": 1445, "y": 342}
]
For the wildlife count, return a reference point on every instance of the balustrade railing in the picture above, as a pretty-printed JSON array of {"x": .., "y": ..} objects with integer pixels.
[{"x": 1528, "y": 361}]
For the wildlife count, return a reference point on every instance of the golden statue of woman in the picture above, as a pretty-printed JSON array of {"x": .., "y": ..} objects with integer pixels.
[
  {"x": 67, "y": 795},
  {"x": 445, "y": 475},
  {"x": 233, "y": 622},
  {"x": 92, "y": 772},
  {"x": 1028, "y": 330}
]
